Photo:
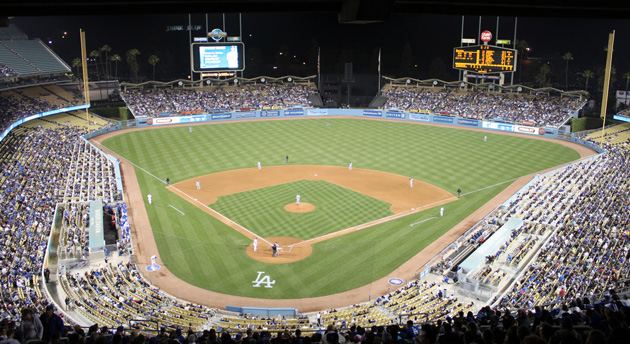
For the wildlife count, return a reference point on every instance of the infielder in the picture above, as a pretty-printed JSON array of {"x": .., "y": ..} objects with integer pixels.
[
  {"x": 149, "y": 198},
  {"x": 259, "y": 166},
  {"x": 198, "y": 185},
  {"x": 350, "y": 166},
  {"x": 410, "y": 182},
  {"x": 255, "y": 244},
  {"x": 441, "y": 211}
]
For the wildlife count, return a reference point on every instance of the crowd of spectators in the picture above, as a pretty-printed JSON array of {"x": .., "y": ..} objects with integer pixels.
[
  {"x": 152, "y": 102},
  {"x": 15, "y": 105},
  {"x": 7, "y": 72},
  {"x": 34, "y": 161},
  {"x": 117, "y": 294},
  {"x": 542, "y": 110},
  {"x": 91, "y": 175},
  {"x": 75, "y": 236},
  {"x": 587, "y": 204}
]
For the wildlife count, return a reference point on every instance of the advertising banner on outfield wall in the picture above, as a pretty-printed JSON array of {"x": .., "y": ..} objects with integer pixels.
[
  {"x": 293, "y": 112},
  {"x": 526, "y": 130},
  {"x": 440, "y": 119},
  {"x": 395, "y": 115},
  {"x": 176, "y": 120},
  {"x": 245, "y": 115},
  {"x": 193, "y": 119},
  {"x": 529, "y": 130},
  {"x": 468, "y": 122},
  {"x": 274, "y": 113},
  {"x": 221, "y": 116},
  {"x": 497, "y": 126},
  {"x": 372, "y": 113},
  {"x": 317, "y": 112},
  {"x": 423, "y": 118},
  {"x": 162, "y": 120}
]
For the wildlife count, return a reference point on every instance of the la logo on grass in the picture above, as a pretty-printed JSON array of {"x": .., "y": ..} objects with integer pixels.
[{"x": 260, "y": 279}]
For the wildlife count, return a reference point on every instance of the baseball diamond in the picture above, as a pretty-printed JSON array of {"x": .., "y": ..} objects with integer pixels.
[{"x": 208, "y": 255}]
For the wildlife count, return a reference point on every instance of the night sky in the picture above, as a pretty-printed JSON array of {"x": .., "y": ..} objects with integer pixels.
[{"x": 430, "y": 37}]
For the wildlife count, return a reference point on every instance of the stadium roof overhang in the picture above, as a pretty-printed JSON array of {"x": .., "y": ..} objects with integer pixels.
[{"x": 349, "y": 11}]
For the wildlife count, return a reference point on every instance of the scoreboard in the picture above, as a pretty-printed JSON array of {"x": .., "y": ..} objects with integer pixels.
[
  {"x": 484, "y": 59},
  {"x": 217, "y": 57}
]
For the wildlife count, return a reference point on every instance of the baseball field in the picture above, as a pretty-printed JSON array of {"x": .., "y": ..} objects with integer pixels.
[{"x": 353, "y": 226}]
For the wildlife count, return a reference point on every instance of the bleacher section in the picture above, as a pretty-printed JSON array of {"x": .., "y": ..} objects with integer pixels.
[
  {"x": 153, "y": 102},
  {"x": 20, "y": 56},
  {"x": 37, "y": 54},
  {"x": 540, "y": 110},
  {"x": 12, "y": 32},
  {"x": 615, "y": 135},
  {"x": 16, "y": 62}
]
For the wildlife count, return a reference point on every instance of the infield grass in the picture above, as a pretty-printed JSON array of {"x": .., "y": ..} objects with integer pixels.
[
  {"x": 203, "y": 251},
  {"x": 262, "y": 210}
]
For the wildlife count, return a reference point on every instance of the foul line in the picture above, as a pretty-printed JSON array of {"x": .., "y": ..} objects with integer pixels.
[
  {"x": 399, "y": 215},
  {"x": 221, "y": 216},
  {"x": 170, "y": 205},
  {"x": 419, "y": 222}
]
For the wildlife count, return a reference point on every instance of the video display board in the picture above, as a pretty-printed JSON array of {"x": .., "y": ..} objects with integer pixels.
[{"x": 218, "y": 57}]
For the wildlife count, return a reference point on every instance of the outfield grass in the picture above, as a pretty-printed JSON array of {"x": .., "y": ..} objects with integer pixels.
[
  {"x": 262, "y": 210},
  {"x": 204, "y": 252}
]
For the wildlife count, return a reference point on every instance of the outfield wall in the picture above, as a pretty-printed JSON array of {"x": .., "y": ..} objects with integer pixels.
[{"x": 557, "y": 133}]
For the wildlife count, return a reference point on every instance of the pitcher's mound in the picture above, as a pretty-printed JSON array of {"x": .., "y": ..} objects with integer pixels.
[{"x": 299, "y": 208}]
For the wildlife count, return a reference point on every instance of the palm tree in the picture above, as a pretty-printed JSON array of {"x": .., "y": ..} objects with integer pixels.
[
  {"x": 106, "y": 49},
  {"x": 76, "y": 63},
  {"x": 522, "y": 47},
  {"x": 587, "y": 74},
  {"x": 541, "y": 78},
  {"x": 133, "y": 62},
  {"x": 116, "y": 58},
  {"x": 153, "y": 60},
  {"x": 567, "y": 57},
  {"x": 96, "y": 54}
]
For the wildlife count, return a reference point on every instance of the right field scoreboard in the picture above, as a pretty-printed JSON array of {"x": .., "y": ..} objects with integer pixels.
[{"x": 484, "y": 59}]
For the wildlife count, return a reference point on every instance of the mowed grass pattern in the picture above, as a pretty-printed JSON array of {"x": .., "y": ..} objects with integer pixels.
[
  {"x": 262, "y": 210},
  {"x": 205, "y": 252}
]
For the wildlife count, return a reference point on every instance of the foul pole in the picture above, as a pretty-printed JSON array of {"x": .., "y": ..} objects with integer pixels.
[
  {"x": 86, "y": 90},
  {"x": 611, "y": 43}
]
